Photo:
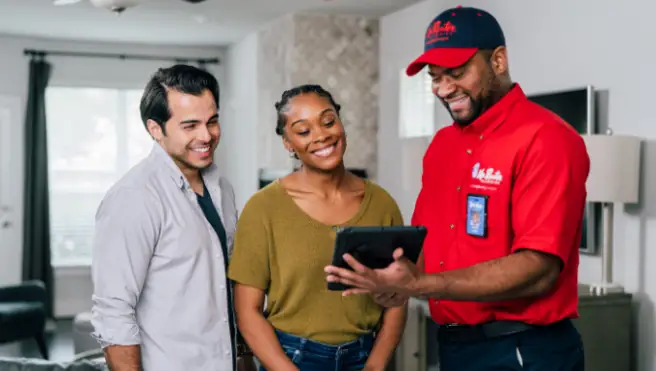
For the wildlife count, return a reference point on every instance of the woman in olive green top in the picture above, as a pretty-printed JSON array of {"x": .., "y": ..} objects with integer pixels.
[{"x": 285, "y": 238}]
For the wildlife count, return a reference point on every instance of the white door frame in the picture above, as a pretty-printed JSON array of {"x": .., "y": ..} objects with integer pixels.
[{"x": 11, "y": 188}]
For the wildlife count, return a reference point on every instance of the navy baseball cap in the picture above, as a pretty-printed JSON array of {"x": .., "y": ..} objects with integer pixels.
[{"x": 455, "y": 35}]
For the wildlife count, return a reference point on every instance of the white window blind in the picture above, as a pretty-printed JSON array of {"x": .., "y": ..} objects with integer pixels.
[{"x": 95, "y": 136}]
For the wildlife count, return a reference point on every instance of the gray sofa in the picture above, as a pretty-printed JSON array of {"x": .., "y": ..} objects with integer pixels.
[
  {"x": 29, "y": 364},
  {"x": 23, "y": 314}
]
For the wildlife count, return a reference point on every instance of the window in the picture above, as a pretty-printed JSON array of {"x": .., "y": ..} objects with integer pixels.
[
  {"x": 416, "y": 106},
  {"x": 94, "y": 137}
]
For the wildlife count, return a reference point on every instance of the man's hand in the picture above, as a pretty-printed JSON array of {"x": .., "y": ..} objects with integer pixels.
[
  {"x": 399, "y": 277},
  {"x": 246, "y": 363}
]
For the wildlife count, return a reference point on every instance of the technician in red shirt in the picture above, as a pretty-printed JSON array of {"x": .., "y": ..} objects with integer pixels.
[{"x": 503, "y": 194}]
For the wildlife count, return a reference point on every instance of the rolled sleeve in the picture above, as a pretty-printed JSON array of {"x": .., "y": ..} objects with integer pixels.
[
  {"x": 125, "y": 236},
  {"x": 549, "y": 193}
]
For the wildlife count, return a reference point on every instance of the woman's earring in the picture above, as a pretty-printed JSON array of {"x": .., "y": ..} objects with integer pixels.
[{"x": 292, "y": 154}]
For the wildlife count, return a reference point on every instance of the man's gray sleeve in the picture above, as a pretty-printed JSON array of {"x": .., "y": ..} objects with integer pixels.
[{"x": 126, "y": 232}]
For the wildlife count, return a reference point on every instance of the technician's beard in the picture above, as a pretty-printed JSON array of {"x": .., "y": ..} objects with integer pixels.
[
  {"x": 478, "y": 107},
  {"x": 483, "y": 102}
]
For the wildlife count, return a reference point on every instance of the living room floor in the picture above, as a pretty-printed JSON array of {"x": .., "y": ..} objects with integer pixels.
[{"x": 60, "y": 344}]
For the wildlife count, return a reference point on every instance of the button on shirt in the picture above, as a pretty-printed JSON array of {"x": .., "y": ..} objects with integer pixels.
[{"x": 159, "y": 271}]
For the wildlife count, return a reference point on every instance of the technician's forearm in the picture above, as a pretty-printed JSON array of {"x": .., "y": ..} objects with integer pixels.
[
  {"x": 262, "y": 340},
  {"x": 123, "y": 357},
  {"x": 388, "y": 338},
  {"x": 517, "y": 276},
  {"x": 420, "y": 261}
]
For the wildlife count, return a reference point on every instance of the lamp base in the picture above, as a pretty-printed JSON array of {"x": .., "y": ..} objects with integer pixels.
[{"x": 601, "y": 289}]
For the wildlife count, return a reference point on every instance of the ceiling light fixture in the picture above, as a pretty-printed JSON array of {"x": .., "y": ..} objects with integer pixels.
[
  {"x": 117, "y": 6},
  {"x": 65, "y": 2}
]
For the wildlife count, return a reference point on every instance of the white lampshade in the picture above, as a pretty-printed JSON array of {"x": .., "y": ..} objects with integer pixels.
[{"x": 614, "y": 168}]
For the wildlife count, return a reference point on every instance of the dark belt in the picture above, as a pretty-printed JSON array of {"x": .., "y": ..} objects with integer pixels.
[{"x": 490, "y": 330}]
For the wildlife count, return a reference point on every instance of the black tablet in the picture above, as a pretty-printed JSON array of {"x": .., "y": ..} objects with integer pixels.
[{"x": 374, "y": 246}]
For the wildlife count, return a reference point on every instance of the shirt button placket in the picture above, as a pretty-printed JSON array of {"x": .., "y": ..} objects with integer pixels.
[{"x": 469, "y": 152}]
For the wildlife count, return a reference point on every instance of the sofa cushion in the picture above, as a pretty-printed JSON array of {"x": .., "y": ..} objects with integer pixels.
[
  {"x": 28, "y": 364},
  {"x": 20, "y": 311}
]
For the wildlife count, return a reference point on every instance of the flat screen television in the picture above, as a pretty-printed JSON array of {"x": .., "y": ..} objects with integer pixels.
[{"x": 578, "y": 108}]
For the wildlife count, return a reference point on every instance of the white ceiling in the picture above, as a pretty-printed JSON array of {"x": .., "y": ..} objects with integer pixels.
[{"x": 214, "y": 22}]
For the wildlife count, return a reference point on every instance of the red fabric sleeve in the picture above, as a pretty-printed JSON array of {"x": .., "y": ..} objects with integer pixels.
[
  {"x": 417, "y": 213},
  {"x": 549, "y": 192}
]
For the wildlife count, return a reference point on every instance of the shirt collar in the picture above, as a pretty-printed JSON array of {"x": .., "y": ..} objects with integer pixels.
[
  {"x": 496, "y": 114},
  {"x": 159, "y": 155}
]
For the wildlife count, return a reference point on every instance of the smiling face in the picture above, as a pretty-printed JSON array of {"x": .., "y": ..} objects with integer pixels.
[
  {"x": 192, "y": 133},
  {"x": 469, "y": 90},
  {"x": 314, "y": 131}
]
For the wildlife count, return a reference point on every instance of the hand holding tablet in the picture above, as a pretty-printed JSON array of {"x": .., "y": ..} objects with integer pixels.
[{"x": 373, "y": 247}]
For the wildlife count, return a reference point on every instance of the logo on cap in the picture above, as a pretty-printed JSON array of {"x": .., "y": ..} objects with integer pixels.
[{"x": 439, "y": 31}]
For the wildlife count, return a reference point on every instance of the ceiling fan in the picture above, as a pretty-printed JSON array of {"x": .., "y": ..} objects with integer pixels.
[{"x": 117, "y": 6}]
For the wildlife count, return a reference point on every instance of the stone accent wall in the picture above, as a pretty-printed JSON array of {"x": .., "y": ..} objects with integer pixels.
[{"x": 275, "y": 56}]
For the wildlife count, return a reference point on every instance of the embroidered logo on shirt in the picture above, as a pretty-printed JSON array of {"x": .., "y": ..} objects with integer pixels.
[{"x": 486, "y": 175}]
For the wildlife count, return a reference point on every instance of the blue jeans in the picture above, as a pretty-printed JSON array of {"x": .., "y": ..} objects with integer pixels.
[
  {"x": 552, "y": 348},
  {"x": 309, "y": 355}
]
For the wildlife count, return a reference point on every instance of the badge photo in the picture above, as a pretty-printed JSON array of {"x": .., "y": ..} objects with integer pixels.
[{"x": 477, "y": 215}]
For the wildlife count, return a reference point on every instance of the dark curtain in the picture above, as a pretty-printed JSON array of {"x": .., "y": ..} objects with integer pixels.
[{"x": 36, "y": 236}]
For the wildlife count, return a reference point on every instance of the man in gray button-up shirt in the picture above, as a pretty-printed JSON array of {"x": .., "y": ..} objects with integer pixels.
[{"x": 160, "y": 299}]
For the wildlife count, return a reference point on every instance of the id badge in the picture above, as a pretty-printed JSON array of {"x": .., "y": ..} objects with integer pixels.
[{"x": 477, "y": 215}]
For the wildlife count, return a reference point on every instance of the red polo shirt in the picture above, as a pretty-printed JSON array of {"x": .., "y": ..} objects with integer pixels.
[{"x": 532, "y": 168}]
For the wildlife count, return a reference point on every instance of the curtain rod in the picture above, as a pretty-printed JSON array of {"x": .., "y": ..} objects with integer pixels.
[{"x": 43, "y": 53}]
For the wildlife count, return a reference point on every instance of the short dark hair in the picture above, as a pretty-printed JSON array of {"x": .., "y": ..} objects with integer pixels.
[
  {"x": 183, "y": 78},
  {"x": 281, "y": 106}
]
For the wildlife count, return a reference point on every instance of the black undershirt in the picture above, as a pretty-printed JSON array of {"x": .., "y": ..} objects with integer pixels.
[{"x": 212, "y": 216}]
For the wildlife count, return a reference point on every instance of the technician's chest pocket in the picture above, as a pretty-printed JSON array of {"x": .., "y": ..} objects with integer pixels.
[
  {"x": 484, "y": 214},
  {"x": 486, "y": 218},
  {"x": 476, "y": 215}
]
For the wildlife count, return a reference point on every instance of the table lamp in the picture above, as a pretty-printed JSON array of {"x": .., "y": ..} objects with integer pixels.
[{"x": 614, "y": 178}]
